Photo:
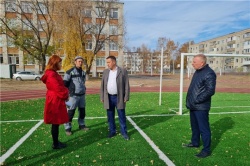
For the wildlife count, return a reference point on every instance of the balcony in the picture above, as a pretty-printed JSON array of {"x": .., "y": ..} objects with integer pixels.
[
  {"x": 246, "y": 62},
  {"x": 247, "y": 36},
  {"x": 230, "y": 42},
  {"x": 212, "y": 44},
  {"x": 230, "y": 49}
]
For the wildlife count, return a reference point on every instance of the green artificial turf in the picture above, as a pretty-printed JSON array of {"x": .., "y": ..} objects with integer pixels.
[{"x": 229, "y": 120}]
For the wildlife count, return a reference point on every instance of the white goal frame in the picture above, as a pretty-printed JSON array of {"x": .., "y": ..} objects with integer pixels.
[{"x": 182, "y": 71}]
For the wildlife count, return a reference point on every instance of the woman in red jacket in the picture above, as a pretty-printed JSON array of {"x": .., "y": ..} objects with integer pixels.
[{"x": 55, "y": 111}]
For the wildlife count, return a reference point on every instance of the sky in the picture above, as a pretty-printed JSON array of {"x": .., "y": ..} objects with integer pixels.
[{"x": 182, "y": 20}]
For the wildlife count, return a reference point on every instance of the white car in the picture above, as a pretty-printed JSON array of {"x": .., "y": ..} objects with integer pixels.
[{"x": 26, "y": 75}]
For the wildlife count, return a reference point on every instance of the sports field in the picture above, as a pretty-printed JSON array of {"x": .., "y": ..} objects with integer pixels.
[{"x": 156, "y": 134}]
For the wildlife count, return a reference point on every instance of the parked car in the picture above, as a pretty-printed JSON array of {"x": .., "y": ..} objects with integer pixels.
[{"x": 26, "y": 75}]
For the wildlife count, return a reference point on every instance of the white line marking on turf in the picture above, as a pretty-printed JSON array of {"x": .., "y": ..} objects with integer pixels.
[
  {"x": 218, "y": 113},
  {"x": 162, "y": 156},
  {"x": 14, "y": 147},
  {"x": 135, "y": 116},
  {"x": 42, "y": 119}
]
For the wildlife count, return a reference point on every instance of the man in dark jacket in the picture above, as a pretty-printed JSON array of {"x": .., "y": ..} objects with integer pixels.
[
  {"x": 198, "y": 101},
  {"x": 74, "y": 80}
]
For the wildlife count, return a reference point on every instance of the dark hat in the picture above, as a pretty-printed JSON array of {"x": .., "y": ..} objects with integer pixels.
[{"x": 78, "y": 57}]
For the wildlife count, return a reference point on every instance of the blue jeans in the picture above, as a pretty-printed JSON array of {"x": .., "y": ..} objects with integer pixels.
[
  {"x": 200, "y": 127},
  {"x": 111, "y": 116}
]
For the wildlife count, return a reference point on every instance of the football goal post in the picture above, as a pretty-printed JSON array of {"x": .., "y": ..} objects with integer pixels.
[{"x": 222, "y": 64}]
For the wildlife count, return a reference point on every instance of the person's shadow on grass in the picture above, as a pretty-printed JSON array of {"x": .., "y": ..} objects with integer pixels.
[
  {"x": 145, "y": 121},
  {"x": 218, "y": 128},
  {"x": 79, "y": 139}
]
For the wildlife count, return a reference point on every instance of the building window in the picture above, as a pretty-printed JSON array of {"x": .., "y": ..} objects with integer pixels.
[
  {"x": 42, "y": 9},
  {"x": 114, "y": 13},
  {"x": 12, "y": 23},
  {"x": 246, "y": 43},
  {"x": 13, "y": 59},
  {"x": 1, "y": 58},
  {"x": 87, "y": 12},
  {"x": 100, "y": 61},
  {"x": 27, "y": 24},
  {"x": 26, "y": 7},
  {"x": 30, "y": 60},
  {"x": 113, "y": 30},
  {"x": 87, "y": 28},
  {"x": 99, "y": 29},
  {"x": 89, "y": 45},
  {"x": 113, "y": 46},
  {"x": 247, "y": 35},
  {"x": 100, "y": 11},
  {"x": 10, "y": 6},
  {"x": 41, "y": 25},
  {"x": 246, "y": 51},
  {"x": 102, "y": 45},
  {"x": 10, "y": 42}
]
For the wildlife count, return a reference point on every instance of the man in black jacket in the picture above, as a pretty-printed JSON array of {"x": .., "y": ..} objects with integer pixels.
[{"x": 198, "y": 101}]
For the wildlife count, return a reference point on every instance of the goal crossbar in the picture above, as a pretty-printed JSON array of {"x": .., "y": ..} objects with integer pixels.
[{"x": 182, "y": 71}]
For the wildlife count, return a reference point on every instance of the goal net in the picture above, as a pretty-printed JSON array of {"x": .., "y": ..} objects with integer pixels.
[{"x": 233, "y": 76}]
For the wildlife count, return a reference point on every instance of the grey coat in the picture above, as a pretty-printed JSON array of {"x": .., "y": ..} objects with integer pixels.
[{"x": 123, "y": 88}]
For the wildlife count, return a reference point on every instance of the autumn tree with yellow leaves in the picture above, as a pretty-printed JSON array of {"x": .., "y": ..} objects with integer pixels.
[{"x": 76, "y": 30}]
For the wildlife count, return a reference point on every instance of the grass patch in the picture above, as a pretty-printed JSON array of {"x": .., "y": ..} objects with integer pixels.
[{"x": 230, "y": 133}]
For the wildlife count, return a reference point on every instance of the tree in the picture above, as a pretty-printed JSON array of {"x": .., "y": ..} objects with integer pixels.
[
  {"x": 145, "y": 55},
  {"x": 183, "y": 49},
  {"x": 31, "y": 27},
  {"x": 169, "y": 48},
  {"x": 84, "y": 25}
]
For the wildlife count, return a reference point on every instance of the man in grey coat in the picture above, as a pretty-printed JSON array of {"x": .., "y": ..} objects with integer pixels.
[{"x": 115, "y": 91}]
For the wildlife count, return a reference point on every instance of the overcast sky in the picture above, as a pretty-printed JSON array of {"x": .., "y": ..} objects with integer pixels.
[{"x": 182, "y": 21}]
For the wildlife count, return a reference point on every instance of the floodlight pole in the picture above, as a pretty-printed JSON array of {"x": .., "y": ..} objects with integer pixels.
[{"x": 161, "y": 75}]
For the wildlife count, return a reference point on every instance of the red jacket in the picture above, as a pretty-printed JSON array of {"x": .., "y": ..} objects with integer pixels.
[{"x": 55, "y": 111}]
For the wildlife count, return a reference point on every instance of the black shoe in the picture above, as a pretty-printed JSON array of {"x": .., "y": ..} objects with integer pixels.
[
  {"x": 190, "y": 145},
  {"x": 111, "y": 135},
  {"x": 125, "y": 136},
  {"x": 203, "y": 154},
  {"x": 60, "y": 145}
]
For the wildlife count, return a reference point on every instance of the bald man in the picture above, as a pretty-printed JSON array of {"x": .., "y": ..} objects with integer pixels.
[{"x": 198, "y": 101}]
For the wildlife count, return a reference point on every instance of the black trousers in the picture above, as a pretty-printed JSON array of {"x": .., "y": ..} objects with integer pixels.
[{"x": 55, "y": 133}]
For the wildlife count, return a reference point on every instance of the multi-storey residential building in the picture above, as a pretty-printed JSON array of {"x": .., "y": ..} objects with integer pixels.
[
  {"x": 233, "y": 43},
  {"x": 135, "y": 62},
  {"x": 10, "y": 54}
]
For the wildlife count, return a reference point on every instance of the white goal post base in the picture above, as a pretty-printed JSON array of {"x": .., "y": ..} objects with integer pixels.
[{"x": 182, "y": 71}]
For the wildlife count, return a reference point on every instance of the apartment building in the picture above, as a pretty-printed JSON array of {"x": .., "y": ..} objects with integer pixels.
[
  {"x": 10, "y": 54},
  {"x": 150, "y": 63},
  {"x": 233, "y": 43}
]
